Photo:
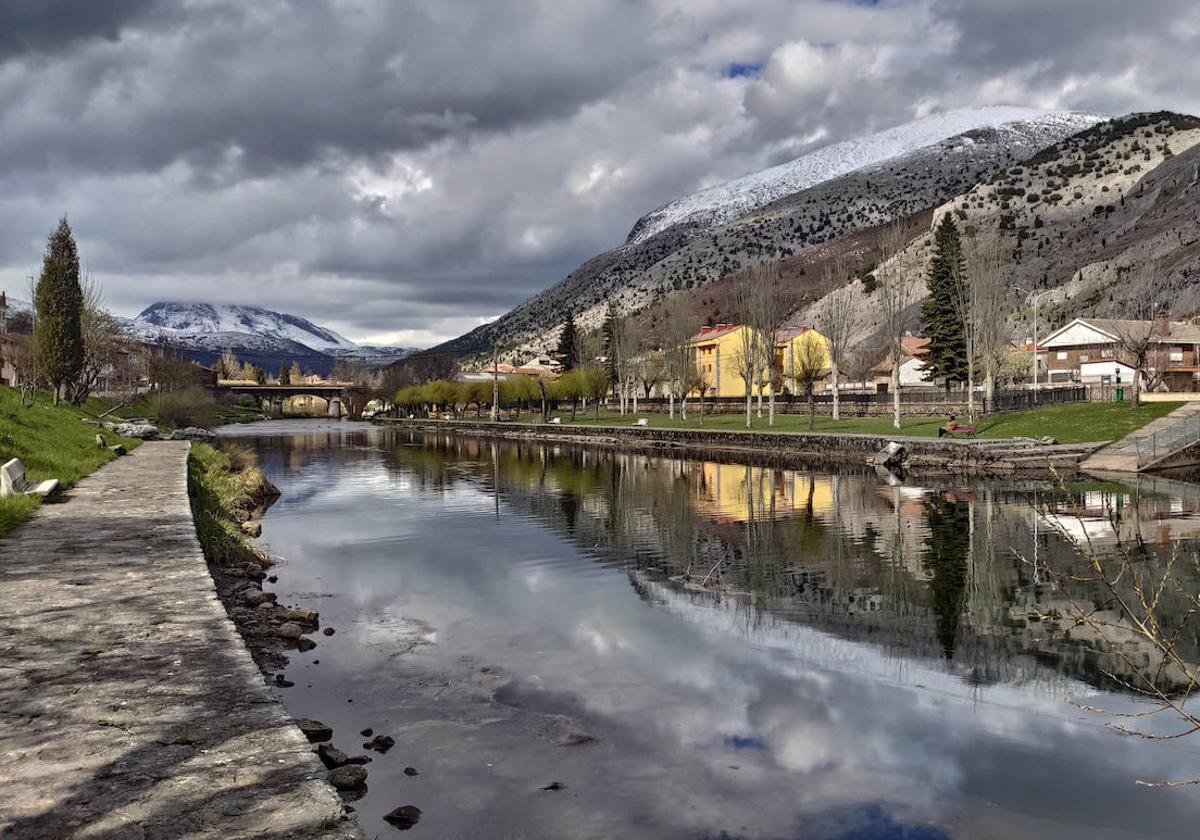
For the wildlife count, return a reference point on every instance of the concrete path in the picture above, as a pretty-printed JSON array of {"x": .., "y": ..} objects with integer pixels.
[
  {"x": 1121, "y": 455},
  {"x": 129, "y": 706}
]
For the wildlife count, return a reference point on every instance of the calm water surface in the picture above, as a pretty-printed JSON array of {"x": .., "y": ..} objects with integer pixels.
[{"x": 873, "y": 665}]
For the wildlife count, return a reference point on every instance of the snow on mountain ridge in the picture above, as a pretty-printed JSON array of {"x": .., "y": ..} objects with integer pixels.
[
  {"x": 177, "y": 319},
  {"x": 722, "y": 202}
]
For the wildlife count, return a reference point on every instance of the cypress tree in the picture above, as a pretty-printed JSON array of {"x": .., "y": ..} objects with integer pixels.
[
  {"x": 946, "y": 357},
  {"x": 285, "y": 374},
  {"x": 567, "y": 349},
  {"x": 58, "y": 304}
]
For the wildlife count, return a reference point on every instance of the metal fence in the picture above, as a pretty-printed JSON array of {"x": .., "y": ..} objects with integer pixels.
[
  {"x": 1021, "y": 399},
  {"x": 1016, "y": 399},
  {"x": 1166, "y": 441}
]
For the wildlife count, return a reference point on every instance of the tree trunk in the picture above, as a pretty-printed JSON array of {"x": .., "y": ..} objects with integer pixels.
[
  {"x": 833, "y": 381},
  {"x": 1137, "y": 383},
  {"x": 896, "y": 393},
  {"x": 970, "y": 394},
  {"x": 771, "y": 404},
  {"x": 749, "y": 403},
  {"x": 671, "y": 400},
  {"x": 812, "y": 413}
]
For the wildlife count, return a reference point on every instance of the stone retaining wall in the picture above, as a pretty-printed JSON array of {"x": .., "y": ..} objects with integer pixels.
[{"x": 811, "y": 448}]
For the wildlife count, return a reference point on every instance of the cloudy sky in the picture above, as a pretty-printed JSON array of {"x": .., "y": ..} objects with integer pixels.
[{"x": 403, "y": 170}]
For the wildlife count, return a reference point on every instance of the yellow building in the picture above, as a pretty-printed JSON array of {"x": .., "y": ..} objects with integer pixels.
[{"x": 718, "y": 349}]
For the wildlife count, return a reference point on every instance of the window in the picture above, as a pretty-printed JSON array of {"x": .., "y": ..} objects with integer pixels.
[
  {"x": 1061, "y": 355},
  {"x": 1083, "y": 357},
  {"x": 1106, "y": 352},
  {"x": 1176, "y": 356}
]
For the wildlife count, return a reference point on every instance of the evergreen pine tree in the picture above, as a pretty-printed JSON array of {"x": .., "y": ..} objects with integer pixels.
[
  {"x": 285, "y": 374},
  {"x": 567, "y": 351},
  {"x": 946, "y": 357},
  {"x": 58, "y": 304},
  {"x": 608, "y": 335}
]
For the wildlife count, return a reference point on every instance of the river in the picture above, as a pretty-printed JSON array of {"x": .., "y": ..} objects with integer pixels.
[{"x": 690, "y": 649}]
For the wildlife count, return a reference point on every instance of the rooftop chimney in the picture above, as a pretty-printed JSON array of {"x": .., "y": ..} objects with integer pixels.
[{"x": 1162, "y": 323}]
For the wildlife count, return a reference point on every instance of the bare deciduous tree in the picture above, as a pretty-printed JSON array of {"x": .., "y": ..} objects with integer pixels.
[
  {"x": 837, "y": 319},
  {"x": 1137, "y": 337},
  {"x": 108, "y": 352},
  {"x": 988, "y": 273},
  {"x": 678, "y": 328},
  {"x": 768, "y": 306},
  {"x": 894, "y": 295}
]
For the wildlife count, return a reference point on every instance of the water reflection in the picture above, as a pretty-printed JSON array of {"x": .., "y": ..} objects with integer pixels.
[{"x": 760, "y": 652}]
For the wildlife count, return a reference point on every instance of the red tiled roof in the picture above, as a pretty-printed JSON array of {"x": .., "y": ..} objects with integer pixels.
[
  {"x": 714, "y": 332},
  {"x": 914, "y": 345}
]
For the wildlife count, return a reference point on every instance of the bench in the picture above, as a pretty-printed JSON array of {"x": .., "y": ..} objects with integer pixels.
[
  {"x": 952, "y": 428},
  {"x": 556, "y": 420},
  {"x": 12, "y": 481},
  {"x": 641, "y": 421}
]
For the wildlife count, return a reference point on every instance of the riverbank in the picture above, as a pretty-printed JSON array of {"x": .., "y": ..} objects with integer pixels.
[
  {"x": 131, "y": 706},
  {"x": 1080, "y": 422},
  {"x": 792, "y": 449}
]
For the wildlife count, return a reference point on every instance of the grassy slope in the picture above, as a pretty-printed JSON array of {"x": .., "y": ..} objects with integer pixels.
[
  {"x": 52, "y": 442},
  {"x": 1076, "y": 423}
]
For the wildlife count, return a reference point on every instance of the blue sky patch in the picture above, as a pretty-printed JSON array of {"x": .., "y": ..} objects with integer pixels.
[{"x": 737, "y": 70}]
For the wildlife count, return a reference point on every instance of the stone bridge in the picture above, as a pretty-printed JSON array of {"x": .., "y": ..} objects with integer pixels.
[{"x": 336, "y": 394}]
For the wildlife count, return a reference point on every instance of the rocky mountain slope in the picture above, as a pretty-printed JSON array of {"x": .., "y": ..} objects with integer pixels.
[
  {"x": 1082, "y": 219},
  {"x": 722, "y": 203},
  {"x": 778, "y": 215},
  {"x": 260, "y": 336}
]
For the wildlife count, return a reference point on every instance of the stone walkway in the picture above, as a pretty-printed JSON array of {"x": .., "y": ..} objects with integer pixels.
[{"x": 129, "y": 706}]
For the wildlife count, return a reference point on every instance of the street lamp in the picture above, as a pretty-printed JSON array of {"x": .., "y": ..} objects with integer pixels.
[{"x": 1034, "y": 295}]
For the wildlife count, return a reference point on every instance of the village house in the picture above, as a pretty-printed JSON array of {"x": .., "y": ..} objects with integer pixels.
[
  {"x": 1087, "y": 350},
  {"x": 912, "y": 365},
  {"x": 716, "y": 351}
]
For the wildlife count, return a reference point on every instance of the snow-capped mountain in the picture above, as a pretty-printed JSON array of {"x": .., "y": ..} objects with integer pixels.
[
  {"x": 166, "y": 319},
  {"x": 695, "y": 242},
  {"x": 255, "y": 335},
  {"x": 720, "y": 203}
]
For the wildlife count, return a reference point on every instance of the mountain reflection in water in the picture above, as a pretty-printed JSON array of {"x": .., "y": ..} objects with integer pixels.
[{"x": 863, "y": 659}]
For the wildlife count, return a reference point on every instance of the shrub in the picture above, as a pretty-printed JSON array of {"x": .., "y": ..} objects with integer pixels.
[
  {"x": 241, "y": 458},
  {"x": 191, "y": 406}
]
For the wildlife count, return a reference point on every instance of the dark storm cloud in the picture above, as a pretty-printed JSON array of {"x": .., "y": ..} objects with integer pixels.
[
  {"x": 55, "y": 25},
  {"x": 404, "y": 170}
]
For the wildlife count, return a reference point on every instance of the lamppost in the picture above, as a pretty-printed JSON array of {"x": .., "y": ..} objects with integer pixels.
[{"x": 1034, "y": 295}]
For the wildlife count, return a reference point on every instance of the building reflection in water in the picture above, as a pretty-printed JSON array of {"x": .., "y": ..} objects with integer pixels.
[{"x": 932, "y": 571}]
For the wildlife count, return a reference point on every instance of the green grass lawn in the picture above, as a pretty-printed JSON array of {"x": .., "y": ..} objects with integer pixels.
[
  {"x": 52, "y": 442},
  {"x": 1072, "y": 423}
]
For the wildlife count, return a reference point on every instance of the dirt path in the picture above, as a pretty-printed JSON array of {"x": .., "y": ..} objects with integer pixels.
[{"x": 129, "y": 706}]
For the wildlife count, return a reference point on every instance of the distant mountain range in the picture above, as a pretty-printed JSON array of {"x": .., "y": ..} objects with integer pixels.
[
  {"x": 263, "y": 337},
  {"x": 788, "y": 214}
]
